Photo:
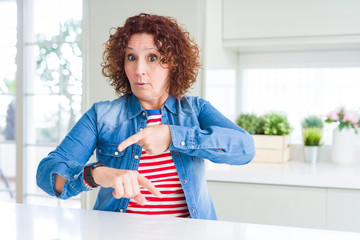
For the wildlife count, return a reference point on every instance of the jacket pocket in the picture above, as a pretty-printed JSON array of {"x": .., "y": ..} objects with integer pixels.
[{"x": 109, "y": 154}]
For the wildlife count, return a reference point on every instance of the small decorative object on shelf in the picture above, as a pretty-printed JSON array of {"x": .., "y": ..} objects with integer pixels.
[
  {"x": 312, "y": 129},
  {"x": 343, "y": 145},
  {"x": 271, "y": 134}
]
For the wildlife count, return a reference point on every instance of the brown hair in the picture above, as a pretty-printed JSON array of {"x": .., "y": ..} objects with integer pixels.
[{"x": 176, "y": 47}]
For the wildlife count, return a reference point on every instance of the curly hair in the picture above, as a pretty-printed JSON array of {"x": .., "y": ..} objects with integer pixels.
[{"x": 176, "y": 48}]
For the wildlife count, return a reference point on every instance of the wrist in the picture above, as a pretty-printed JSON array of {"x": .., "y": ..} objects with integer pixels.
[{"x": 88, "y": 175}]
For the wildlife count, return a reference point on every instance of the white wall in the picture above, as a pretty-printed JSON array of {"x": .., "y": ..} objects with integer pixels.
[
  {"x": 100, "y": 16},
  {"x": 215, "y": 56}
]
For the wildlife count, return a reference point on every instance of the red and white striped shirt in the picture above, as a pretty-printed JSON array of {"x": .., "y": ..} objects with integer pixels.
[{"x": 160, "y": 170}]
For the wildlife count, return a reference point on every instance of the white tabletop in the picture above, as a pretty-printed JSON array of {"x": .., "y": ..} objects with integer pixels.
[
  {"x": 292, "y": 173},
  {"x": 28, "y": 222}
]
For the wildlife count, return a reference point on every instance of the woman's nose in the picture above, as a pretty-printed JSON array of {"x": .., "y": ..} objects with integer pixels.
[{"x": 140, "y": 68}]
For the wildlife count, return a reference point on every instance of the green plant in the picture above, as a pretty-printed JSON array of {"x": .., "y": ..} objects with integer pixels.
[
  {"x": 312, "y": 121},
  {"x": 312, "y": 136},
  {"x": 260, "y": 128},
  {"x": 248, "y": 121},
  {"x": 275, "y": 123},
  {"x": 10, "y": 85}
]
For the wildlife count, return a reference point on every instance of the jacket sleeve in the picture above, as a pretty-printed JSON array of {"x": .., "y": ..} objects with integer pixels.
[
  {"x": 216, "y": 138},
  {"x": 69, "y": 158}
]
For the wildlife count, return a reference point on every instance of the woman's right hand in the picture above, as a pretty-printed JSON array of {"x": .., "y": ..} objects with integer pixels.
[{"x": 126, "y": 183}]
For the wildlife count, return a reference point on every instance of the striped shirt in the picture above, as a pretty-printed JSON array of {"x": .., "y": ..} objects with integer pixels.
[{"x": 160, "y": 170}]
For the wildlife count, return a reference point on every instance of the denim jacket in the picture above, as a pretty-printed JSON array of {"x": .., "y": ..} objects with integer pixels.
[{"x": 197, "y": 129}]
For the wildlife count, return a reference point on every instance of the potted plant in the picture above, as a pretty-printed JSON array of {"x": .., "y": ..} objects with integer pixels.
[
  {"x": 312, "y": 121},
  {"x": 312, "y": 136},
  {"x": 271, "y": 134},
  {"x": 248, "y": 121},
  {"x": 312, "y": 129},
  {"x": 275, "y": 123},
  {"x": 343, "y": 144}
]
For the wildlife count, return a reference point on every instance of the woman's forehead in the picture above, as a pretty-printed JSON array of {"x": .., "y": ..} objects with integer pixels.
[{"x": 145, "y": 40}]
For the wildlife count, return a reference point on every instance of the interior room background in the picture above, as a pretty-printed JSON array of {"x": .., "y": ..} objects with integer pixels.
[{"x": 299, "y": 57}]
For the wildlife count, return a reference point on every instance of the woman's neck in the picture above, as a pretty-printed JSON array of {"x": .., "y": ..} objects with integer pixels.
[{"x": 152, "y": 104}]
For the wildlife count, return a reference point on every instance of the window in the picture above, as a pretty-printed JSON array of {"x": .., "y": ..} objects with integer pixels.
[
  {"x": 8, "y": 24},
  {"x": 300, "y": 92},
  {"x": 297, "y": 83},
  {"x": 52, "y": 85},
  {"x": 220, "y": 90}
]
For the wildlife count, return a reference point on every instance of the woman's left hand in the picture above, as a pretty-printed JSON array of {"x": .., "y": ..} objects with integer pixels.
[{"x": 154, "y": 139}]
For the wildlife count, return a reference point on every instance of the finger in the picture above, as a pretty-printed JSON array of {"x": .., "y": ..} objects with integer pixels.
[
  {"x": 118, "y": 191},
  {"x": 135, "y": 186},
  {"x": 143, "y": 181},
  {"x": 128, "y": 189},
  {"x": 140, "y": 199},
  {"x": 129, "y": 141}
]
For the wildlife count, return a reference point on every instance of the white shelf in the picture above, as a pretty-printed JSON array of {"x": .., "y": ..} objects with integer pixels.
[{"x": 292, "y": 173}]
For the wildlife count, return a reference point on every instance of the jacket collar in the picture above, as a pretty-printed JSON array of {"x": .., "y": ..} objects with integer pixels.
[
  {"x": 170, "y": 104},
  {"x": 134, "y": 107}
]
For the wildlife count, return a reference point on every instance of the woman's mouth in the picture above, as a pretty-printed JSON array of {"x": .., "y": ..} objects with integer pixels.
[{"x": 141, "y": 84}]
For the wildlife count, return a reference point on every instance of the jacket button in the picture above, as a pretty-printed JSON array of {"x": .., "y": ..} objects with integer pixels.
[
  {"x": 185, "y": 181},
  {"x": 143, "y": 113},
  {"x": 182, "y": 143},
  {"x": 100, "y": 150},
  {"x": 192, "y": 210},
  {"x": 116, "y": 153},
  {"x": 121, "y": 210},
  {"x": 136, "y": 157},
  {"x": 175, "y": 152}
]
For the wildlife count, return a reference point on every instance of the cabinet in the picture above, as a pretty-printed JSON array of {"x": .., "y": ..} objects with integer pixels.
[
  {"x": 244, "y": 19},
  {"x": 289, "y": 25},
  {"x": 343, "y": 209},
  {"x": 269, "y": 204},
  {"x": 310, "y": 207}
]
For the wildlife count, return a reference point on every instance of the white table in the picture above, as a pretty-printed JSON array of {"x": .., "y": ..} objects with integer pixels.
[{"x": 27, "y": 222}]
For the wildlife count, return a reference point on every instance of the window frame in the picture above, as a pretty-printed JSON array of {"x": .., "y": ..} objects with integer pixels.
[{"x": 24, "y": 11}]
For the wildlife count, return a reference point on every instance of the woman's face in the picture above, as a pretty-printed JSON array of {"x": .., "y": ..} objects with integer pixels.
[{"x": 149, "y": 80}]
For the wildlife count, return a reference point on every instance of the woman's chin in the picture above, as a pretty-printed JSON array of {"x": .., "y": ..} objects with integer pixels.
[{"x": 142, "y": 95}]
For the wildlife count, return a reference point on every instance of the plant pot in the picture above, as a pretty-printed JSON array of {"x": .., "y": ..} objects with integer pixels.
[
  {"x": 271, "y": 149},
  {"x": 311, "y": 154},
  {"x": 343, "y": 146}
]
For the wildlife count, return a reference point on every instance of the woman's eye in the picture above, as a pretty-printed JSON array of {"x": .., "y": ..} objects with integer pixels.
[
  {"x": 153, "y": 58},
  {"x": 130, "y": 57}
]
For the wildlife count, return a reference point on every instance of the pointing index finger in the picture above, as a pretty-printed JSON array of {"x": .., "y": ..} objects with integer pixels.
[
  {"x": 143, "y": 181},
  {"x": 129, "y": 141}
]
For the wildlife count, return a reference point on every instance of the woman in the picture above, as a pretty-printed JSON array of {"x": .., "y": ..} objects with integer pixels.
[{"x": 151, "y": 141}]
